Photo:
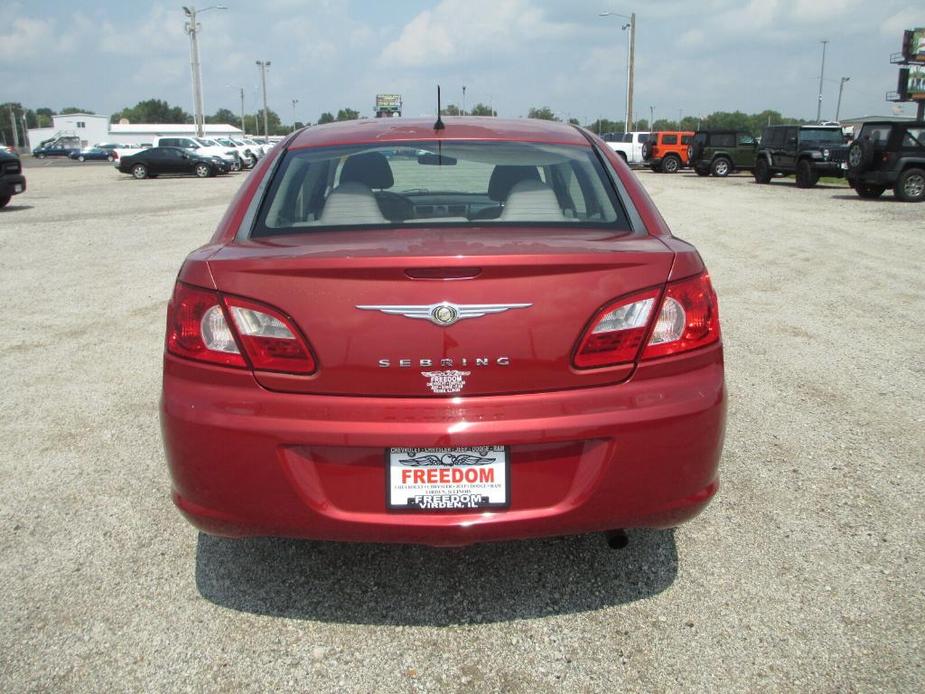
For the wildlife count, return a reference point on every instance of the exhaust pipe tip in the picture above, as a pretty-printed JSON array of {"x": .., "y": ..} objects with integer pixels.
[{"x": 617, "y": 539}]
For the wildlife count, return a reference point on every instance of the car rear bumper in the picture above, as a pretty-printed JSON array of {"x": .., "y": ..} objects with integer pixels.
[
  {"x": 247, "y": 461},
  {"x": 12, "y": 184}
]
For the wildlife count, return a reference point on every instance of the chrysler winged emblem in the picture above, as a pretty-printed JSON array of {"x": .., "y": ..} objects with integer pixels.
[{"x": 444, "y": 313}]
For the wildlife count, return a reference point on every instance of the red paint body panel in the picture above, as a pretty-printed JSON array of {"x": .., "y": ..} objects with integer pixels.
[{"x": 257, "y": 453}]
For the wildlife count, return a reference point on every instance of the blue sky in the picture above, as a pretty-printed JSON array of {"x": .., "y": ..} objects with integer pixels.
[{"x": 692, "y": 57}]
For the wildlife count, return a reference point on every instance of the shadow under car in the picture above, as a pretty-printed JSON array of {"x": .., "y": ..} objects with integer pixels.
[{"x": 417, "y": 585}]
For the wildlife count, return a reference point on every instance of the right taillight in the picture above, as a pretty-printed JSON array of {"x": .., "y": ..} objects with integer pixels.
[
  {"x": 234, "y": 331},
  {"x": 688, "y": 318},
  {"x": 640, "y": 326}
]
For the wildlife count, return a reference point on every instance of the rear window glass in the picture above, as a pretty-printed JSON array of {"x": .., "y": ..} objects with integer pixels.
[
  {"x": 669, "y": 139},
  {"x": 452, "y": 183},
  {"x": 723, "y": 140},
  {"x": 914, "y": 137}
]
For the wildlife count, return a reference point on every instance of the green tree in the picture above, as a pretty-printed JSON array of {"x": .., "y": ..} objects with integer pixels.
[
  {"x": 43, "y": 118},
  {"x": 574, "y": 121},
  {"x": 348, "y": 114},
  {"x": 605, "y": 125},
  {"x": 541, "y": 113},
  {"x": 73, "y": 109},
  {"x": 482, "y": 110},
  {"x": 6, "y": 128},
  {"x": 275, "y": 125},
  {"x": 153, "y": 111},
  {"x": 326, "y": 117},
  {"x": 225, "y": 115},
  {"x": 451, "y": 110}
]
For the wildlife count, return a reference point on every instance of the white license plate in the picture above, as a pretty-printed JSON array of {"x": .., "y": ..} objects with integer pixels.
[
  {"x": 459, "y": 479},
  {"x": 844, "y": 165},
  {"x": 17, "y": 188}
]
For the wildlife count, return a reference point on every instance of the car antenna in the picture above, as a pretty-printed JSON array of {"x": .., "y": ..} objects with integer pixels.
[{"x": 438, "y": 125}]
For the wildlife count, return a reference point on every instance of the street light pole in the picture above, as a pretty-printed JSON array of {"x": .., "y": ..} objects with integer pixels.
[
  {"x": 263, "y": 65},
  {"x": 294, "y": 102},
  {"x": 193, "y": 27},
  {"x": 630, "y": 63},
  {"x": 821, "y": 78},
  {"x": 841, "y": 87},
  {"x": 464, "y": 101}
]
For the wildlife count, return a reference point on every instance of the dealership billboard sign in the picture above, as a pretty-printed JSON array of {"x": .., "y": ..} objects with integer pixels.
[
  {"x": 388, "y": 103},
  {"x": 914, "y": 46}
]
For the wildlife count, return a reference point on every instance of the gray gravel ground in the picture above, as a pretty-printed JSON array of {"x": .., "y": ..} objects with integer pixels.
[{"x": 805, "y": 574}]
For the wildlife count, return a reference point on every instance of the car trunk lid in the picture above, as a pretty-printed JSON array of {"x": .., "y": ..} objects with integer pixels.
[{"x": 516, "y": 303}]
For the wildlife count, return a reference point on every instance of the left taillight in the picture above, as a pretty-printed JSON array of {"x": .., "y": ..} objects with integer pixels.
[{"x": 233, "y": 331}]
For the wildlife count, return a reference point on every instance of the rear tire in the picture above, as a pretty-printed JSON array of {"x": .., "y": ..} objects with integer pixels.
[
  {"x": 5, "y": 200},
  {"x": 910, "y": 187},
  {"x": 81, "y": 158},
  {"x": 647, "y": 150},
  {"x": 671, "y": 164},
  {"x": 762, "y": 171},
  {"x": 869, "y": 191},
  {"x": 139, "y": 171},
  {"x": 701, "y": 172},
  {"x": 721, "y": 167},
  {"x": 203, "y": 170},
  {"x": 807, "y": 176},
  {"x": 861, "y": 155}
]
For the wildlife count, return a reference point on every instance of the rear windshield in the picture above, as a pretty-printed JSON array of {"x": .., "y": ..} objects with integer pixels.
[{"x": 451, "y": 183}]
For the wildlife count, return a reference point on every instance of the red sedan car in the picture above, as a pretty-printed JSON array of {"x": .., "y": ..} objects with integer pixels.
[{"x": 479, "y": 332}]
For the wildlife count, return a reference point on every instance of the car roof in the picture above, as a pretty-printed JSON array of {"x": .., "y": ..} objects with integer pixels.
[{"x": 378, "y": 130}]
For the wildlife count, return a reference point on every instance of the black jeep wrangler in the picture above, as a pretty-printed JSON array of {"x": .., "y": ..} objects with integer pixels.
[
  {"x": 721, "y": 152},
  {"x": 809, "y": 151},
  {"x": 12, "y": 182},
  {"x": 889, "y": 155}
]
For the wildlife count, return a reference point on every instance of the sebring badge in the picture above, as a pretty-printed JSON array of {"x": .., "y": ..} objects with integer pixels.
[
  {"x": 446, "y": 381},
  {"x": 444, "y": 313}
]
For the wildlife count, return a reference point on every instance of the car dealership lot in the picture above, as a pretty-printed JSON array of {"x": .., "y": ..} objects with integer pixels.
[{"x": 805, "y": 572}]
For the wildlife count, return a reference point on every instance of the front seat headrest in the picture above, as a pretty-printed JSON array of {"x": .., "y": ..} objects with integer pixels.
[
  {"x": 505, "y": 176},
  {"x": 370, "y": 168}
]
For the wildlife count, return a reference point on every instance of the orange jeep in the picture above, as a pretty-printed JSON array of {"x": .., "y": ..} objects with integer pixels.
[{"x": 667, "y": 151}]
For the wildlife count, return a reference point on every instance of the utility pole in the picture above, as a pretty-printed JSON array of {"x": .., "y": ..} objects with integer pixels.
[
  {"x": 193, "y": 27},
  {"x": 243, "y": 125},
  {"x": 632, "y": 70},
  {"x": 15, "y": 132},
  {"x": 651, "y": 116},
  {"x": 630, "y": 63},
  {"x": 294, "y": 102},
  {"x": 25, "y": 133},
  {"x": 824, "y": 42},
  {"x": 263, "y": 65},
  {"x": 464, "y": 101},
  {"x": 841, "y": 87}
]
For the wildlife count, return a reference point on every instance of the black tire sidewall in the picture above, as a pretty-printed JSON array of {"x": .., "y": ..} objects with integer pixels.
[{"x": 762, "y": 171}]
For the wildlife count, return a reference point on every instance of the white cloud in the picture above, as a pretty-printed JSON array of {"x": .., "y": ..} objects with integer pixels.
[
  {"x": 907, "y": 18},
  {"x": 458, "y": 31},
  {"x": 28, "y": 37}
]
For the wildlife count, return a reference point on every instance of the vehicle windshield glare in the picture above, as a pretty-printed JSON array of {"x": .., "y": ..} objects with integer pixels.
[
  {"x": 481, "y": 184},
  {"x": 206, "y": 143}
]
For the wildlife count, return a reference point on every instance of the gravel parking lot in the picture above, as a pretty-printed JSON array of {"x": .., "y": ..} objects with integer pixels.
[{"x": 806, "y": 573}]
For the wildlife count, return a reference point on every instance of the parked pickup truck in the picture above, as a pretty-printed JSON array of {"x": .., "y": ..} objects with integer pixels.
[{"x": 629, "y": 146}]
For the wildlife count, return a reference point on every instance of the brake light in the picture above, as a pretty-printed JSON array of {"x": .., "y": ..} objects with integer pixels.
[
  {"x": 197, "y": 327},
  {"x": 205, "y": 326},
  {"x": 270, "y": 339},
  {"x": 617, "y": 331},
  {"x": 688, "y": 319}
]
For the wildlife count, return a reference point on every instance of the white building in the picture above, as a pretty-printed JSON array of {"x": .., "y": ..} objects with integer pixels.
[
  {"x": 85, "y": 128},
  {"x": 141, "y": 133}
]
